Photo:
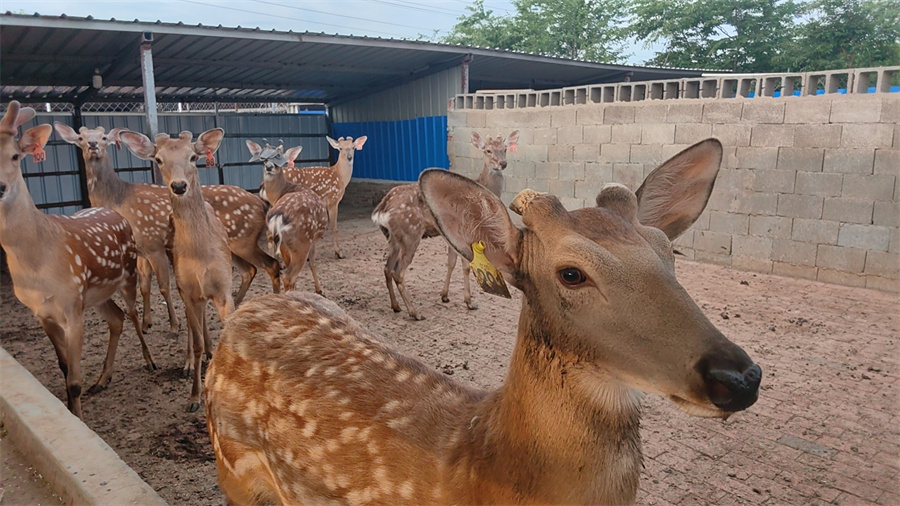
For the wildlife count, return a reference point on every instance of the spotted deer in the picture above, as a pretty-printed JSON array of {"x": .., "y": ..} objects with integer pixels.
[
  {"x": 298, "y": 217},
  {"x": 405, "y": 220},
  {"x": 61, "y": 265},
  {"x": 328, "y": 182},
  {"x": 200, "y": 254},
  {"x": 305, "y": 406}
]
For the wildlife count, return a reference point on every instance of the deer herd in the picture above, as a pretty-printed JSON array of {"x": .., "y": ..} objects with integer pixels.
[{"x": 303, "y": 404}]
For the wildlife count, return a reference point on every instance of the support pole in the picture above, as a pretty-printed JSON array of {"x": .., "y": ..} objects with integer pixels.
[
  {"x": 77, "y": 123},
  {"x": 464, "y": 86},
  {"x": 150, "y": 93}
]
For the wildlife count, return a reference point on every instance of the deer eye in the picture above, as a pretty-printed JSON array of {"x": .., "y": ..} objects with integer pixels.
[
  {"x": 571, "y": 276},
  {"x": 489, "y": 151},
  {"x": 158, "y": 160},
  {"x": 193, "y": 158},
  {"x": 80, "y": 138},
  {"x": 15, "y": 157},
  {"x": 104, "y": 138}
]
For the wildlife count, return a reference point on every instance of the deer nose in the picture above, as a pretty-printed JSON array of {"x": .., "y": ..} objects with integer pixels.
[
  {"x": 503, "y": 164},
  {"x": 2, "y": 190},
  {"x": 178, "y": 187},
  {"x": 92, "y": 144},
  {"x": 732, "y": 388}
]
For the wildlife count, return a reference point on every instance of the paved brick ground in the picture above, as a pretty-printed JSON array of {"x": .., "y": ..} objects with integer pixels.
[{"x": 826, "y": 429}]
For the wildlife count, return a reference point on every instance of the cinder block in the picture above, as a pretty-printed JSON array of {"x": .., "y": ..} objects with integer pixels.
[
  {"x": 840, "y": 258},
  {"x": 643, "y": 153},
  {"x": 890, "y": 110},
  {"x": 546, "y": 170},
  {"x": 615, "y": 153},
  {"x": 759, "y": 247},
  {"x": 809, "y": 110},
  {"x": 598, "y": 172},
  {"x": 818, "y": 136},
  {"x": 589, "y": 114},
  {"x": 562, "y": 117},
  {"x": 819, "y": 183},
  {"x": 836, "y": 277},
  {"x": 570, "y": 134},
  {"x": 629, "y": 133},
  {"x": 847, "y": 160},
  {"x": 848, "y": 210},
  {"x": 794, "y": 252},
  {"x": 476, "y": 119},
  {"x": 762, "y": 110},
  {"x": 562, "y": 188},
  {"x": 534, "y": 152},
  {"x": 514, "y": 185},
  {"x": 648, "y": 114},
  {"x": 545, "y": 136},
  {"x": 870, "y": 237},
  {"x": 776, "y": 227},
  {"x": 689, "y": 133},
  {"x": 887, "y": 161},
  {"x": 875, "y": 187},
  {"x": 712, "y": 258},
  {"x": 850, "y": 110},
  {"x": 881, "y": 263},
  {"x": 586, "y": 152},
  {"x": 597, "y": 134},
  {"x": 815, "y": 231},
  {"x": 538, "y": 185},
  {"x": 629, "y": 174},
  {"x": 560, "y": 153},
  {"x": 794, "y": 271},
  {"x": 732, "y": 135},
  {"x": 684, "y": 252},
  {"x": 573, "y": 171},
  {"x": 658, "y": 133},
  {"x": 895, "y": 240},
  {"x": 670, "y": 150},
  {"x": 775, "y": 181},
  {"x": 712, "y": 242},
  {"x": 887, "y": 214},
  {"x": 685, "y": 113},
  {"x": 867, "y": 135},
  {"x": 526, "y": 135},
  {"x": 572, "y": 204},
  {"x": 588, "y": 190},
  {"x": 896, "y": 142},
  {"x": 772, "y": 135},
  {"x": 722, "y": 111},
  {"x": 455, "y": 119},
  {"x": 801, "y": 159},
  {"x": 618, "y": 114},
  {"x": 751, "y": 264},
  {"x": 534, "y": 118},
  {"x": 755, "y": 158},
  {"x": 799, "y": 206},
  {"x": 519, "y": 169},
  {"x": 729, "y": 223},
  {"x": 883, "y": 284}
]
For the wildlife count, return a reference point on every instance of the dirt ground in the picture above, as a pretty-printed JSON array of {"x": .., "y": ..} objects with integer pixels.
[{"x": 826, "y": 429}]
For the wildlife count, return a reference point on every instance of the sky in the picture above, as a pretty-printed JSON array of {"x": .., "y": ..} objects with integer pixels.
[{"x": 384, "y": 18}]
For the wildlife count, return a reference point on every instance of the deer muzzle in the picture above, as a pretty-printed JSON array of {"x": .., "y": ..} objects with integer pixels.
[
  {"x": 2, "y": 190},
  {"x": 178, "y": 187},
  {"x": 731, "y": 389}
]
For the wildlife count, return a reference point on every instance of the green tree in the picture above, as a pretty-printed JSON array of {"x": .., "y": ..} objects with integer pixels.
[
  {"x": 847, "y": 34},
  {"x": 577, "y": 29},
  {"x": 735, "y": 35}
]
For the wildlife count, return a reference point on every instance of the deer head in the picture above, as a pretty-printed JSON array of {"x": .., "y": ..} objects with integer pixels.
[
  {"x": 346, "y": 146},
  {"x": 601, "y": 280},
  {"x": 494, "y": 149},
  {"x": 175, "y": 157},
  {"x": 272, "y": 158},
  {"x": 93, "y": 142},
  {"x": 11, "y": 150}
]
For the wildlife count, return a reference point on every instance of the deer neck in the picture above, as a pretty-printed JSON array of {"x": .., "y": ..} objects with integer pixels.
[
  {"x": 344, "y": 170},
  {"x": 25, "y": 232},
  {"x": 276, "y": 185},
  {"x": 190, "y": 218},
  {"x": 491, "y": 179},
  {"x": 105, "y": 187},
  {"x": 561, "y": 432}
]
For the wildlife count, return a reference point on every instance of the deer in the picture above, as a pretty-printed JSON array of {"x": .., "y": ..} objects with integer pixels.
[
  {"x": 330, "y": 183},
  {"x": 61, "y": 265},
  {"x": 200, "y": 254},
  {"x": 404, "y": 219},
  {"x": 304, "y": 405}
]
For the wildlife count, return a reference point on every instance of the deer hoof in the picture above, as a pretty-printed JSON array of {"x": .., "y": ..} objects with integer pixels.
[
  {"x": 445, "y": 297},
  {"x": 146, "y": 327},
  {"x": 339, "y": 255},
  {"x": 192, "y": 407},
  {"x": 396, "y": 309},
  {"x": 187, "y": 372},
  {"x": 152, "y": 367},
  {"x": 471, "y": 305},
  {"x": 417, "y": 317},
  {"x": 95, "y": 388}
]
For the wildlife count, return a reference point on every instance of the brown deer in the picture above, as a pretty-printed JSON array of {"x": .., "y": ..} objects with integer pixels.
[
  {"x": 200, "y": 254},
  {"x": 298, "y": 217},
  {"x": 305, "y": 406},
  {"x": 405, "y": 220},
  {"x": 61, "y": 265},
  {"x": 328, "y": 182}
]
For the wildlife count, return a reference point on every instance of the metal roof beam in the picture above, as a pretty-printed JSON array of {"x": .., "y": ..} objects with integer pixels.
[{"x": 305, "y": 67}]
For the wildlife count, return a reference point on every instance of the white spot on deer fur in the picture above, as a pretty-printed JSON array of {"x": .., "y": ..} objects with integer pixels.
[
  {"x": 392, "y": 405},
  {"x": 332, "y": 445},
  {"x": 402, "y": 376},
  {"x": 346, "y": 415},
  {"x": 407, "y": 489},
  {"x": 317, "y": 452},
  {"x": 309, "y": 429}
]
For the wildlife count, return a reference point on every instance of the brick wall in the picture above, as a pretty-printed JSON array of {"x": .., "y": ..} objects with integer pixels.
[{"x": 809, "y": 186}]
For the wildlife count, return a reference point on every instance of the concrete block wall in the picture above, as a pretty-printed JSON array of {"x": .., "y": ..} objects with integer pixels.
[{"x": 809, "y": 186}]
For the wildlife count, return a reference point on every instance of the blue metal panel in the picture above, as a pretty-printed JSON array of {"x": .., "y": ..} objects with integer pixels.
[{"x": 397, "y": 150}]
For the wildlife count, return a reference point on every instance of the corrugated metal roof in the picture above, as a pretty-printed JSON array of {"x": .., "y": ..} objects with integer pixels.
[{"x": 53, "y": 58}]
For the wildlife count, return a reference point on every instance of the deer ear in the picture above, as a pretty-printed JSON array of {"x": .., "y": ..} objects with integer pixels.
[
  {"x": 333, "y": 142},
  {"x": 292, "y": 154},
  {"x": 675, "y": 193},
  {"x": 209, "y": 141},
  {"x": 466, "y": 213},
  {"x": 477, "y": 141},
  {"x": 66, "y": 132},
  {"x": 255, "y": 150},
  {"x": 512, "y": 138},
  {"x": 35, "y": 137},
  {"x": 139, "y": 145},
  {"x": 358, "y": 143}
]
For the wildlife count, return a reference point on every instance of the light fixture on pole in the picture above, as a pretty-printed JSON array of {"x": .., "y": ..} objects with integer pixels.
[{"x": 97, "y": 80}]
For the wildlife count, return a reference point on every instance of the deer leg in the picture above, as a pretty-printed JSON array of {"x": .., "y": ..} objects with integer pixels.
[
  {"x": 115, "y": 320},
  {"x": 451, "y": 263},
  {"x": 160, "y": 265},
  {"x": 266, "y": 262},
  {"x": 129, "y": 296},
  {"x": 207, "y": 340},
  {"x": 312, "y": 268},
  {"x": 291, "y": 269},
  {"x": 393, "y": 259},
  {"x": 332, "y": 217},
  {"x": 145, "y": 274},
  {"x": 189, "y": 351},
  {"x": 467, "y": 290},
  {"x": 247, "y": 271},
  {"x": 398, "y": 275},
  {"x": 58, "y": 338},
  {"x": 194, "y": 312},
  {"x": 74, "y": 344}
]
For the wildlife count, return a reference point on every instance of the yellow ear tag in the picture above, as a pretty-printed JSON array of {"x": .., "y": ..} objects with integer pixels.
[{"x": 487, "y": 276}]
